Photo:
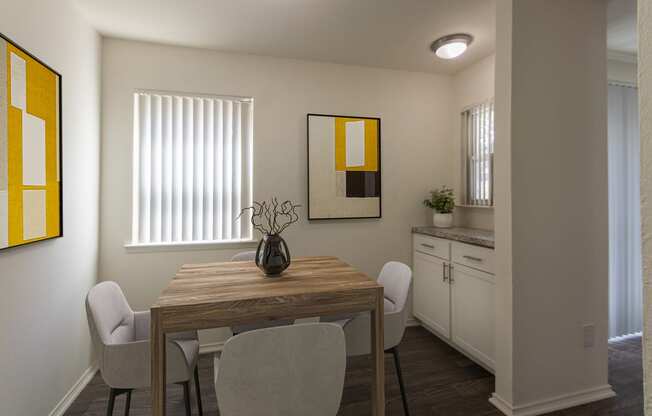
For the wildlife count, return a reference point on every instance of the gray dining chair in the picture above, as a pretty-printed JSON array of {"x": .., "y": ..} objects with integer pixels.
[
  {"x": 121, "y": 338},
  {"x": 238, "y": 329},
  {"x": 396, "y": 279},
  {"x": 294, "y": 370}
]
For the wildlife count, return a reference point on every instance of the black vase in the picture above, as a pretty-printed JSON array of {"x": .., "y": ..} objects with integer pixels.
[{"x": 272, "y": 255}]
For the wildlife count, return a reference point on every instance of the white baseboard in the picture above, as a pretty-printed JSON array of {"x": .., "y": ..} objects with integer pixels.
[
  {"x": 74, "y": 391},
  {"x": 501, "y": 404},
  {"x": 211, "y": 347},
  {"x": 554, "y": 403},
  {"x": 412, "y": 322},
  {"x": 88, "y": 375}
]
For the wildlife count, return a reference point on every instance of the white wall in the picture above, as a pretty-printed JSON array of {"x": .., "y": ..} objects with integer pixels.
[
  {"x": 474, "y": 85},
  {"x": 45, "y": 345},
  {"x": 552, "y": 206},
  {"x": 416, "y": 149},
  {"x": 471, "y": 86},
  {"x": 645, "y": 109},
  {"x": 504, "y": 292}
]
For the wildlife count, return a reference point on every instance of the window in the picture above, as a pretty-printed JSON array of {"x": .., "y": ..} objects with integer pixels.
[
  {"x": 192, "y": 168},
  {"x": 478, "y": 154}
]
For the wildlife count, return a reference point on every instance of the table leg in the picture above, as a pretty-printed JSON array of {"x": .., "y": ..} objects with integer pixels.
[
  {"x": 378, "y": 356},
  {"x": 157, "y": 345}
]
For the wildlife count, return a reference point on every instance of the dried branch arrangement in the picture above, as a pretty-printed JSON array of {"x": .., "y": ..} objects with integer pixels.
[{"x": 272, "y": 217}]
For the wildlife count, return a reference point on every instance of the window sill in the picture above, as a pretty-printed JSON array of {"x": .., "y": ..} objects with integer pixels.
[
  {"x": 190, "y": 245},
  {"x": 475, "y": 206}
]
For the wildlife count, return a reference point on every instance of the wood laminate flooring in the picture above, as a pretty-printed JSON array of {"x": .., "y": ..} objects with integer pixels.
[{"x": 439, "y": 381}]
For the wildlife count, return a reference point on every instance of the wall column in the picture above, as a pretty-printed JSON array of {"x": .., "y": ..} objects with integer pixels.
[
  {"x": 645, "y": 111},
  {"x": 551, "y": 205}
]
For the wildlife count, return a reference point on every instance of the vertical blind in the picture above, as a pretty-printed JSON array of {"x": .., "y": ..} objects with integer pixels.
[
  {"x": 192, "y": 168},
  {"x": 478, "y": 151},
  {"x": 625, "y": 273}
]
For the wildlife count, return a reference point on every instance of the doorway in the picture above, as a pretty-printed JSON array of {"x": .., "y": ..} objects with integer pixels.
[{"x": 625, "y": 278}]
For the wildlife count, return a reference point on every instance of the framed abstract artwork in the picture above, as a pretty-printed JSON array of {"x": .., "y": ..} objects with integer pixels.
[
  {"x": 344, "y": 175},
  {"x": 30, "y": 148}
]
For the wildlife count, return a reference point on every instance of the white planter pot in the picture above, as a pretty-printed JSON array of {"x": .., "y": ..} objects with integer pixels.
[{"x": 442, "y": 220}]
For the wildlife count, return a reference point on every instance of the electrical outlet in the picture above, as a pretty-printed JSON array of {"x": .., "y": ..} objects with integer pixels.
[{"x": 589, "y": 335}]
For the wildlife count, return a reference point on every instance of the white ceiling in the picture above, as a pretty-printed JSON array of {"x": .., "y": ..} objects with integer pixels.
[
  {"x": 381, "y": 33},
  {"x": 621, "y": 26}
]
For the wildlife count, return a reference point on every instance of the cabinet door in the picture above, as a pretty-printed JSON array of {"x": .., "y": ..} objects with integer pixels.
[
  {"x": 472, "y": 293},
  {"x": 431, "y": 294}
]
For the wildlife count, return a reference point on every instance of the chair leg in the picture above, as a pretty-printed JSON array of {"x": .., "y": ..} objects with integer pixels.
[
  {"x": 109, "y": 408},
  {"x": 128, "y": 403},
  {"x": 113, "y": 393},
  {"x": 186, "y": 397},
  {"x": 397, "y": 363},
  {"x": 198, "y": 390}
]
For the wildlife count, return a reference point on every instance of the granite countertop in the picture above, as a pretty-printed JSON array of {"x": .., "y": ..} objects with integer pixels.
[{"x": 473, "y": 236}]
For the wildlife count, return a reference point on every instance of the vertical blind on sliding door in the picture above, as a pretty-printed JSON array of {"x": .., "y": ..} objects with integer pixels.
[
  {"x": 625, "y": 272},
  {"x": 192, "y": 168},
  {"x": 478, "y": 154}
]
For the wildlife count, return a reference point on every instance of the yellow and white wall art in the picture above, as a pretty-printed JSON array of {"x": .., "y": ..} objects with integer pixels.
[
  {"x": 30, "y": 148},
  {"x": 343, "y": 167}
]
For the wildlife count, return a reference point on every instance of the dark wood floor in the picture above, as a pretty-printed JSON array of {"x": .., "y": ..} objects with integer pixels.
[{"x": 439, "y": 381}]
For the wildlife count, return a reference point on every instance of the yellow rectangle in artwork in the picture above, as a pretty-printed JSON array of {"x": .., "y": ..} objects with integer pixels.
[
  {"x": 370, "y": 145},
  {"x": 53, "y": 210},
  {"x": 41, "y": 102}
]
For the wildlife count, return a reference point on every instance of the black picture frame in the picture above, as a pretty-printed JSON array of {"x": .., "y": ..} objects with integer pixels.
[
  {"x": 380, "y": 193},
  {"x": 60, "y": 123}
]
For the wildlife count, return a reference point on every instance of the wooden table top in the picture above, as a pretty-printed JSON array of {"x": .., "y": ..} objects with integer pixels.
[
  {"x": 215, "y": 295},
  {"x": 197, "y": 284}
]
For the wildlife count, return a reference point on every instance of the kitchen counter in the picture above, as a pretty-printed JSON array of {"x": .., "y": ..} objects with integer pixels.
[{"x": 482, "y": 238}]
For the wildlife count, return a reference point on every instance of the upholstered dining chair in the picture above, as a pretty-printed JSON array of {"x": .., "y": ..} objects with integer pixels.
[
  {"x": 238, "y": 329},
  {"x": 121, "y": 339},
  {"x": 396, "y": 278},
  {"x": 294, "y": 370}
]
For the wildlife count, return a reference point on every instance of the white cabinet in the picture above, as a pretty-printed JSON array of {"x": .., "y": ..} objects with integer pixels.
[
  {"x": 453, "y": 294},
  {"x": 472, "y": 300},
  {"x": 437, "y": 247},
  {"x": 475, "y": 257},
  {"x": 431, "y": 294}
]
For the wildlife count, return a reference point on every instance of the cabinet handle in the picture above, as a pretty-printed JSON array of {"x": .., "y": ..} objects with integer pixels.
[
  {"x": 443, "y": 266},
  {"x": 450, "y": 274},
  {"x": 472, "y": 258},
  {"x": 430, "y": 246}
]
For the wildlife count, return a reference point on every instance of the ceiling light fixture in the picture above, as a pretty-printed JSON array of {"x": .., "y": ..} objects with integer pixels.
[{"x": 451, "y": 46}]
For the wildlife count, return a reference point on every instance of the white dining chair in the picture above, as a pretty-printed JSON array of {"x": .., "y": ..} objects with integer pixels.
[
  {"x": 238, "y": 329},
  {"x": 396, "y": 279},
  {"x": 294, "y": 370},
  {"x": 121, "y": 338}
]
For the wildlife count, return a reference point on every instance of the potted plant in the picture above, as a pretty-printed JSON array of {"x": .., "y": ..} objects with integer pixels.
[
  {"x": 442, "y": 201},
  {"x": 271, "y": 218}
]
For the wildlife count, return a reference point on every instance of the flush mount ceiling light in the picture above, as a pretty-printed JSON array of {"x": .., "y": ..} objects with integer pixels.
[{"x": 451, "y": 46}]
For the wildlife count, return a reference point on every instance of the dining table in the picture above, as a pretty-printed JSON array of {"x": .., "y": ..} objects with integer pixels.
[{"x": 223, "y": 294}]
